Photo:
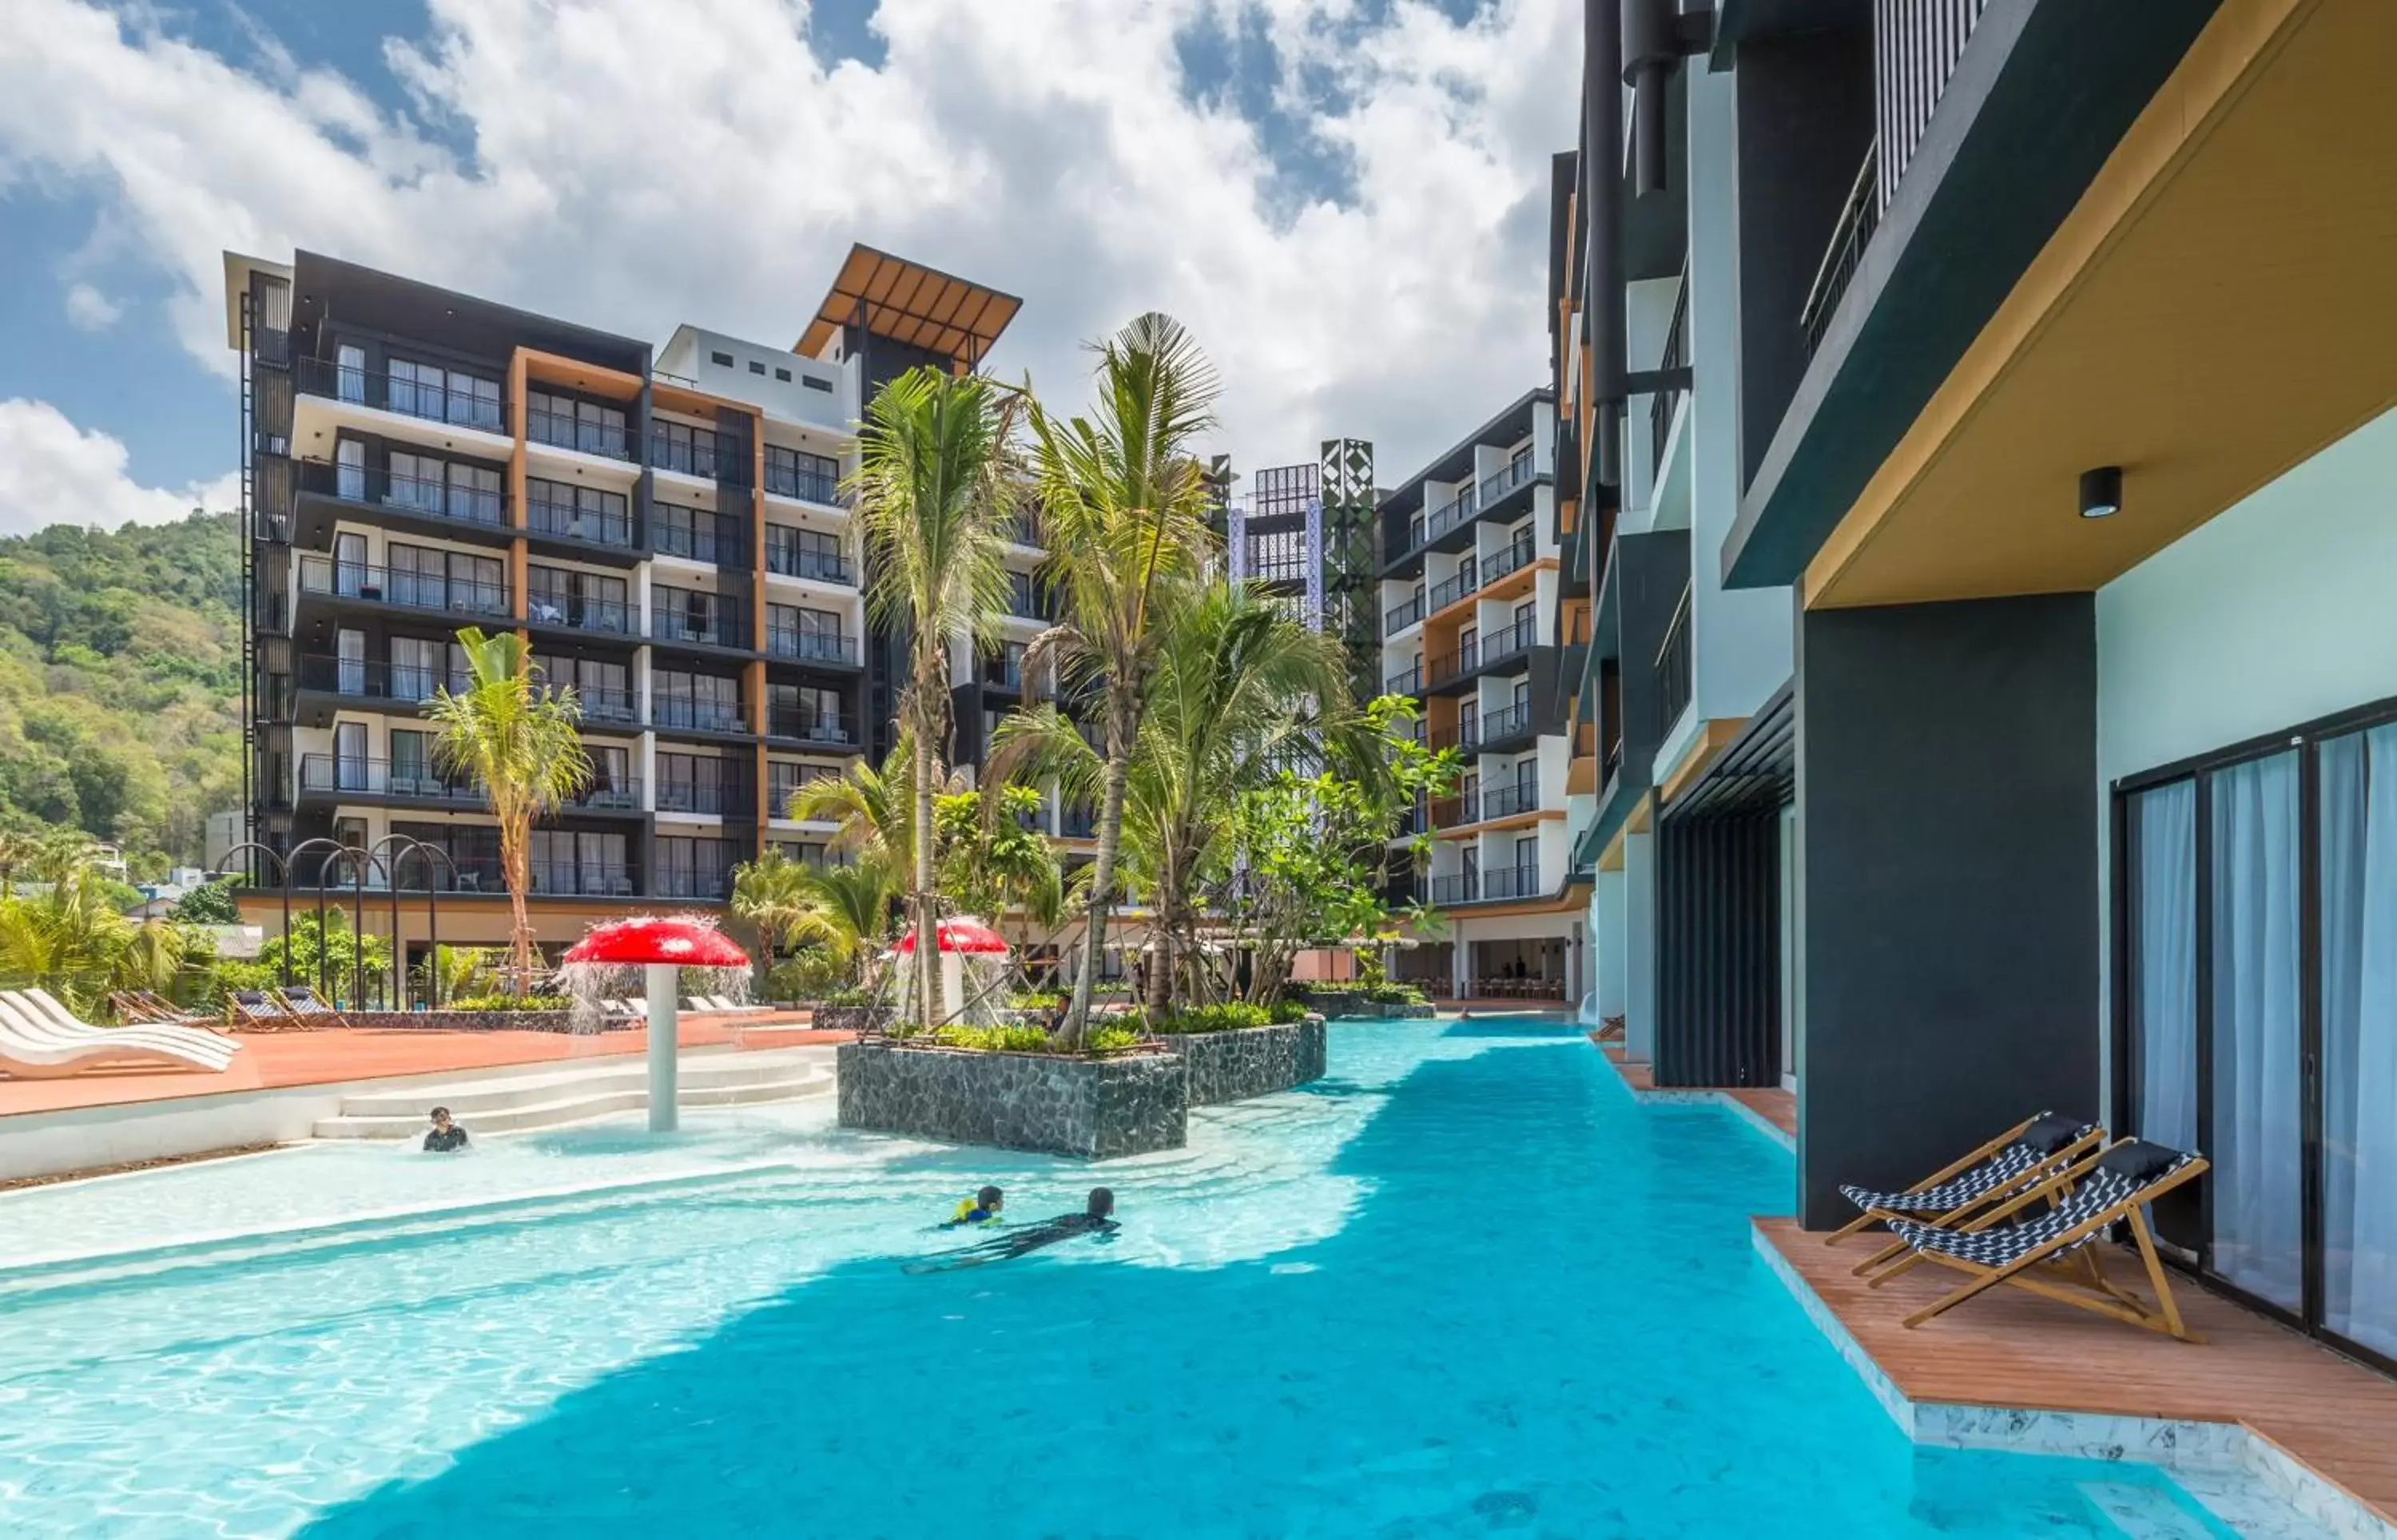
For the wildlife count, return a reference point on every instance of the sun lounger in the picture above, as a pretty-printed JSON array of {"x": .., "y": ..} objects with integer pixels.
[
  {"x": 43, "y": 1012},
  {"x": 142, "y": 1006},
  {"x": 2047, "y": 1251},
  {"x": 303, "y": 1003},
  {"x": 35, "y": 1047},
  {"x": 258, "y": 1011},
  {"x": 2023, "y": 1155}
]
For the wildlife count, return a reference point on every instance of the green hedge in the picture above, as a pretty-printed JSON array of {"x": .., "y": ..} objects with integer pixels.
[
  {"x": 510, "y": 1003},
  {"x": 1378, "y": 994}
]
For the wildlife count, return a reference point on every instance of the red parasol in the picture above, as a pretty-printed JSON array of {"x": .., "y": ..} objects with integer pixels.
[
  {"x": 674, "y": 939},
  {"x": 961, "y": 936}
]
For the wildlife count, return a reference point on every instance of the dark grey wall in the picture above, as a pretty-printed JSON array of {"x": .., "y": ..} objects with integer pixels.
[
  {"x": 1719, "y": 948},
  {"x": 1655, "y": 570},
  {"x": 1805, "y": 118},
  {"x": 1946, "y": 774}
]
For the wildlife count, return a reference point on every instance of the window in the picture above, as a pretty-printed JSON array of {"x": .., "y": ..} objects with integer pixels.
[
  {"x": 350, "y": 657},
  {"x": 755, "y": 367},
  {"x": 797, "y": 473},
  {"x": 704, "y": 701},
  {"x": 349, "y": 372},
  {"x": 813, "y": 553},
  {"x": 806, "y": 711},
  {"x": 350, "y": 470},
  {"x": 698, "y": 783},
  {"x": 686, "y": 532},
  {"x": 816, "y": 383},
  {"x": 562, "y": 597},
  {"x": 721, "y": 360},
  {"x": 604, "y": 688},
  {"x": 679, "y": 446},
  {"x": 412, "y": 771},
  {"x": 782, "y": 374},
  {"x": 578, "y": 512},
  {"x": 414, "y": 667},
  {"x": 586, "y": 426},
  {"x": 579, "y": 861},
  {"x": 445, "y": 395},
  {"x": 694, "y": 867},
  {"x": 447, "y": 579}
]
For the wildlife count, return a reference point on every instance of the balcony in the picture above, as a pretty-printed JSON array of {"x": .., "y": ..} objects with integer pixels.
[
  {"x": 363, "y": 680},
  {"x": 565, "y": 430},
  {"x": 1026, "y": 531},
  {"x": 689, "y": 882},
  {"x": 466, "y": 401},
  {"x": 802, "y": 725},
  {"x": 676, "y": 794},
  {"x": 607, "y": 617},
  {"x": 1506, "y": 801},
  {"x": 1399, "y": 616},
  {"x": 696, "y": 617},
  {"x": 602, "y": 704},
  {"x": 1509, "y": 722},
  {"x": 1002, "y": 674},
  {"x": 805, "y": 482},
  {"x": 616, "y": 794},
  {"x": 1519, "y": 472},
  {"x": 1079, "y": 823},
  {"x": 379, "y": 488},
  {"x": 1665, "y": 404},
  {"x": 1673, "y": 668},
  {"x": 1515, "y": 881},
  {"x": 806, "y": 647},
  {"x": 698, "y": 452},
  {"x": 697, "y": 714},
  {"x": 325, "y": 575},
  {"x": 580, "y": 879},
  {"x": 333, "y": 776},
  {"x": 1405, "y": 681},
  {"x": 1459, "y": 511},
  {"x": 1518, "y": 555},
  {"x": 1449, "y": 591},
  {"x": 565, "y": 520},
  {"x": 1463, "y": 887},
  {"x": 1457, "y": 811},
  {"x": 698, "y": 535},
  {"x": 1025, "y": 600},
  {"x": 790, "y": 560}
]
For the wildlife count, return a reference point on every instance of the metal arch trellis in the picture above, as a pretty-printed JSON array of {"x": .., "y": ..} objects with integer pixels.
[
  {"x": 362, "y": 863},
  {"x": 334, "y": 852},
  {"x": 394, "y": 864}
]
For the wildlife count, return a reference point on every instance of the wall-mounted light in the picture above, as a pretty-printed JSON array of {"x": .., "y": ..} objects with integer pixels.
[{"x": 2101, "y": 491}]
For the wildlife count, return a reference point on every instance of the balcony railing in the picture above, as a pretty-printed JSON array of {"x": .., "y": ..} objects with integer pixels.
[
  {"x": 1677, "y": 357},
  {"x": 415, "y": 589},
  {"x": 803, "y": 482},
  {"x": 1519, "y": 471},
  {"x": 380, "y": 487},
  {"x": 1407, "y": 681},
  {"x": 1463, "y": 887},
  {"x": 1673, "y": 668},
  {"x": 616, "y": 794},
  {"x": 1399, "y": 616},
  {"x": 1456, "y": 512},
  {"x": 1515, "y": 881},
  {"x": 584, "y": 879},
  {"x": 611, "y": 617},
  {"x": 796, "y": 561},
  {"x": 810, "y": 647},
  {"x": 553, "y": 516},
  {"x": 1450, "y": 590},
  {"x": 676, "y": 794},
  {"x": 696, "y": 713},
  {"x": 1859, "y": 216},
  {"x": 1026, "y": 531},
  {"x": 565, "y": 430},
  {"x": 376, "y": 679},
  {"x": 701, "y": 536},
  {"x": 805, "y": 726},
  {"x": 1507, "y": 799},
  {"x": 715, "y": 622},
  {"x": 700, "y": 453},
  {"x": 603, "y": 703},
  {"x": 1499, "y": 725},
  {"x": 1077, "y": 823},
  {"x": 1612, "y": 761},
  {"x": 688, "y": 883},
  {"x": 1462, "y": 808},
  {"x": 1518, "y": 555},
  {"x": 472, "y": 403},
  {"x": 338, "y": 775},
  {"x": 1002, "y": 675}
]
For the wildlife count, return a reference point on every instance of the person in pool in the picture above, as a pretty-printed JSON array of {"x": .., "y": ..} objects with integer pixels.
[
  {"x": 981, "y": 1209},
  {"x": 444, "y": 1135},
  {"x": 1096, "y": 1220}
]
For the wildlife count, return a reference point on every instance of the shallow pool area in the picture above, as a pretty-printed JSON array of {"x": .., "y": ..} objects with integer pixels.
[{"x": 1463, "y": 1285}]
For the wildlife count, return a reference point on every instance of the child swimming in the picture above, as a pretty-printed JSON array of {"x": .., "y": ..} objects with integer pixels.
[{"x": 981, "y": 1209}]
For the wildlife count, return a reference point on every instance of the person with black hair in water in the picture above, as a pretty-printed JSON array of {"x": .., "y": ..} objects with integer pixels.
[{"x": 1096, "y": 1220}]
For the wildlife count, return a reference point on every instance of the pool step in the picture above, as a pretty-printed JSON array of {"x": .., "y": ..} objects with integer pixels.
[{"x": 518, "y": 1102}]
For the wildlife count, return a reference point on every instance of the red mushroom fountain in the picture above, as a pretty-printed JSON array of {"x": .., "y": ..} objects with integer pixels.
[
  {"x": 662, "y": 946},
  {"x": 957, "y": 940}
]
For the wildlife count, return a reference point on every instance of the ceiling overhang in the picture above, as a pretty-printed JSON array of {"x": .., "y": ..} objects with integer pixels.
[
  {"x": 2216, "y": 309},
  {"x": 910, "y": 303}
]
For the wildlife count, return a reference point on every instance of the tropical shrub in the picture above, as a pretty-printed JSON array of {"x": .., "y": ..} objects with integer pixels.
[
  {"x": 504, "y": 1001},
  {"x": 209, "y": 904},
  {"x": 1108, "y": 1037},
  {"x": 995, "y": 1040}
]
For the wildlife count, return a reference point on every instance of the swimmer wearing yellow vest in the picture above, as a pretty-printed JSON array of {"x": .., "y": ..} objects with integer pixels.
[{"x": 981, "y": 1209}]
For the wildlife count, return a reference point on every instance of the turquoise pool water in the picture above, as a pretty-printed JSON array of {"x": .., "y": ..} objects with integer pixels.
[{"x": 1465, "y": 1285}]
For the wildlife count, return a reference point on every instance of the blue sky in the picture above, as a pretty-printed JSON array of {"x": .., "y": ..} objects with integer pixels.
[{"x": 1313, "y": 184}]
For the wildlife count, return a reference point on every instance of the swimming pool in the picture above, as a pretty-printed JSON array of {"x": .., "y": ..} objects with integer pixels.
[{"x": 1463, "y": 1285}]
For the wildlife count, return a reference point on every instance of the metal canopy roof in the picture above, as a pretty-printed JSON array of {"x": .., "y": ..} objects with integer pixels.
[
  {"x": 909, "y": 302},
  {"x": 1757, "y": 769}
]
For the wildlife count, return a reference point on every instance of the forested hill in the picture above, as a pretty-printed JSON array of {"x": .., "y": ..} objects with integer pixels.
[{"x": 120, "y": 682}]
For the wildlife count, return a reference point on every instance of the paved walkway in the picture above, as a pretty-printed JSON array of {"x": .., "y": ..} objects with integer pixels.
[{"x": 274, "y": 1060}]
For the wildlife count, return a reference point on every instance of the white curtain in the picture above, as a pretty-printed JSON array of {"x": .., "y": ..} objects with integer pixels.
[
  {"x": 2359, "y": 1011},
  {"x": 2258, "y": 1226},
  {"x": 2165, "y": 977}
]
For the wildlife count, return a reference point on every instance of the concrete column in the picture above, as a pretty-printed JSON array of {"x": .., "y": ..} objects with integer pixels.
[
  {"x": 1640, "y": 946},
  {"x": 664, "y": 980},
  {"x": 1606, "y": 922}
]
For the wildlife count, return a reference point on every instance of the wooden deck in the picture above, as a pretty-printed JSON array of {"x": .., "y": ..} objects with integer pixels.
[
  {"x": 2010, "y": 1348},
  {"x": 1775, "y": 1106},
  {"x": 274, "y": 1060}
]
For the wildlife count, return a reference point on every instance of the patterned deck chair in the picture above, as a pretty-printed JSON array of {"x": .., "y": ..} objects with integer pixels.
[
  {"x": 257, "y": 1011},
  {"x": 2021, "y": 1156},
  {"x": 2049, "y": 1252},
  {"x": 307, "y": 1008}
]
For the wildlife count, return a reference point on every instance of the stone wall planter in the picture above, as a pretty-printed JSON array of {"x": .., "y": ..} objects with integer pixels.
[
  {"x": 1250, "y": 1061},
  {"x": 1340, "y": 1007},
  {"x": 1095, "y": 1108},
  {"x": 477, "y": 1021},
  {"x": 851, "y": 1018}
]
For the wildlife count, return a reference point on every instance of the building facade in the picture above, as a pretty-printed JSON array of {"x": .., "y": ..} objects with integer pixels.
[
  {"x": 667, "y": 528},
  {"x": 2050, "y": 419},
  {"x": 1480, "y": 629}
]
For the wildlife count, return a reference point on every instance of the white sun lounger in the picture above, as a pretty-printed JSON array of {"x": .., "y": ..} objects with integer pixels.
[
  {"x": 44, "y": 1014},
  {"x": 33, "y": 1048}
]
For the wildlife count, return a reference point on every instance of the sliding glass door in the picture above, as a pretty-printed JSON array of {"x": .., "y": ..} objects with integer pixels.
[{"x": 2257, "y": 1015}]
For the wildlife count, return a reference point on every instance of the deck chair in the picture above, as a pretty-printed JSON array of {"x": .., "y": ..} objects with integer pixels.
[
  {"x": 2023, "y": 1155},
  {"x": 36, "y": 1043},
  {"x": 307, "y": 1008},
  {"x": 136, "y": 1007},
  {"x": 257, "y": 1011},
  {"x": 2049, "y": 1252}
]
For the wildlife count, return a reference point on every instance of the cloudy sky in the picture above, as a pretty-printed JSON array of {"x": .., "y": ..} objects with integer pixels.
[{"x": 1346, "y": 199}]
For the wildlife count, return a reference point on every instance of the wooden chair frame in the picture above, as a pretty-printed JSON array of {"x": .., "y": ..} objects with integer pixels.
[
  {"x": 2076, "y": 1276},
  {"x": 1973, "y": 1212},
  {"x": 300, "y": 1019}
]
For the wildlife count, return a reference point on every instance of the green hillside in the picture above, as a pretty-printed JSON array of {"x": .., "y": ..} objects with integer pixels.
[{"x": 120, "y": 682}]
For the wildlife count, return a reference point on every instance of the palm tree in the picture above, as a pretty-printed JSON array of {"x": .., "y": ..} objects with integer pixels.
[
  {"x": 774, "y": 895},
  {"x": 855, "y": 901},
  {"x": 936, "y": 495},
  {"x": 518, "y": 739},
  {"x": 1239, "y": 687},
  {"x": 873, "y": 806},
  {"x": 16, "y": 850},
  {"x": 1124, "y": 503}
]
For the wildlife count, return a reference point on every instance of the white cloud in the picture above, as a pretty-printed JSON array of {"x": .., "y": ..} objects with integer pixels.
[
  {"x": 88, "y": 310},
  {"x": 52, "y": 472},
  {"x": 633, "y": 165}
]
